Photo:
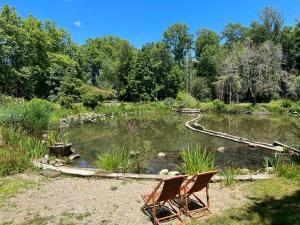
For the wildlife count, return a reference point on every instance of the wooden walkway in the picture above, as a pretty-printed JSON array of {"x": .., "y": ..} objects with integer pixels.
[{"x": 276, "y": 146}]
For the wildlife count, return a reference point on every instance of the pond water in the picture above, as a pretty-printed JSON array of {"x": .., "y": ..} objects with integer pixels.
[{"x": 167, "y": 133}]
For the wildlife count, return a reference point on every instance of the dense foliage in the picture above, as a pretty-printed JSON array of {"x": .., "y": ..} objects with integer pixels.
[{"x": 256, "y": 63}]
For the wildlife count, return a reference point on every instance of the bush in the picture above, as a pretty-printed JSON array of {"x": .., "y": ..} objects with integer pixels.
[
  {"x": 186, "y": 99},
  {"x": 169, "y": 101},
  {"x": 30, "y": 116},
  {"x": 219, "y": 106},
  {"x": 196, "y": 160},
  {"x": 286, "y": 103}
]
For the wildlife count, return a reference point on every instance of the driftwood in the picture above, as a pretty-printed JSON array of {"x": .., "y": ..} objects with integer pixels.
[{"x": 276, "y": 146}]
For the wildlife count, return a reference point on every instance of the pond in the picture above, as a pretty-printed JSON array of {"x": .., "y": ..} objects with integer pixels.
[{"x": 167, "y": 133}]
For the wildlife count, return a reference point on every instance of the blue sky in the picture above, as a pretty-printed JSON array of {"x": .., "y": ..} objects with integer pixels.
[{"x": 141, "y": 21}]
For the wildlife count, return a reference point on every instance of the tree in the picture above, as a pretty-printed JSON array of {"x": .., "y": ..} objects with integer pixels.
[
  {"x": 200, "y": 88},
  {"x": 268, "y": 27},
  {"x": 234, "y": 33},
  {"x": 178, "y": 41},
  {"x": 107, "y": 61},
  {"x": 260, "y": 70},
  {"x": 205, "y": 39},
  {"x": 153, "y": 75}
]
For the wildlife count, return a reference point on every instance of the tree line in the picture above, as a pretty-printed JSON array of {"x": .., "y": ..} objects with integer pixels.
[{"x": 256, "y": 63}]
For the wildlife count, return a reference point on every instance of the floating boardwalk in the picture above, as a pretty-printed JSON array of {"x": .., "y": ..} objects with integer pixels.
[{"x": 276, "y": 146}]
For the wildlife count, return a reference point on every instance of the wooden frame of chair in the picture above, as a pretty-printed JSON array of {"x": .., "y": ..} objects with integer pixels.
[
  {"x": 171, "y": 189},
  {"x": 199, "y": 182}
]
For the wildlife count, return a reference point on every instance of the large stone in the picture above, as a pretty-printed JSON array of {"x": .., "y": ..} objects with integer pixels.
[
  {"x": 161, "y": 154},
  {"x": 74, "y": 156},
  {"x": 50, "y": 173},
  {"x": 45, "y": 159},
  {"x": 269, "y": 170},
  {"x": 221, "y": 149},
  {"x": 173, "y": 173},
  {"x": 164, "y": 172},
  {"x": 244, "y": 171}
]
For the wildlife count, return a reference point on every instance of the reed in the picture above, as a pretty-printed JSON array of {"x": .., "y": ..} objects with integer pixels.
[
  {"x": 196, "y": 159},
  {"x": 115, "y": 161}
]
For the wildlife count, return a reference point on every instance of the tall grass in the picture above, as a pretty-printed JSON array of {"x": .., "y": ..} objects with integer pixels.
[
  {"x": 13, "y": 161},
  {"x": 18, "y": 140},
  {"x": 115, "y": 161},
  {"x": 196, "y": 159},
  {"x": 228, "y": 173},
  {"x": 32, "y": 116}
]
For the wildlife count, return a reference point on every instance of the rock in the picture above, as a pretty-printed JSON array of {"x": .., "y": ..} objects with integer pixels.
[
  {"x": 74, "y": 156},
  {"x": 221, "y": 149},
  {"x": 244, "y": 171},
  {"x": 163, "y": 172},
  {"x": 52, "y": 162},
  {"x": 173, "y": 173},
  {"x": 50, "y": 173},
  {"x": 161, "y": 154},
  {"x": 269, "y": 170},
  {"x": 134, "y": 153},
  {"x": 45, "y": 159}
]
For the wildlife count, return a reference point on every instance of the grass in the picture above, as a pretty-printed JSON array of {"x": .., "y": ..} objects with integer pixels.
[
  {"x": 275, "y": 201},
  {"x": 18, "y": 150},
  {"x": 12, "y": 186},
  {"x": 229, "y": 173},
  {"x": 196, "y": 160}
]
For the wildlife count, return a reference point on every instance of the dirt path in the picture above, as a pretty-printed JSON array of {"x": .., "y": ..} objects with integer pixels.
[{"x": 72, "y": 200}]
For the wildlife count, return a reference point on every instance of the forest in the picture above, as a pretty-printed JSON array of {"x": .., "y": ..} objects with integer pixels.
[{"x": 253, "y": 64}]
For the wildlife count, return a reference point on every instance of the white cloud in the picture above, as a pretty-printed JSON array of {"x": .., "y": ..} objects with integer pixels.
[{"x": 77, "y": 23}]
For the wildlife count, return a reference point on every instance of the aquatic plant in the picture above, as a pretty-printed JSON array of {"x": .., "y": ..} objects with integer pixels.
[
  {"x": 115, "y": 161},
  {"x": 196, "y": 159},
  {"x": 228, "y": 173},
  {"x": 55, "y": 136}
]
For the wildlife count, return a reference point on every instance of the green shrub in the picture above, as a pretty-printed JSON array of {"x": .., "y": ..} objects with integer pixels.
[
  {"x": 169, "y": 101},
  {"x": 289, "y": 171},
  {"x": 186, "y": 99},
  {"x": 196, "y": 160},
  {"x": 66, "y": 101},
  {"x": 200, "y": 89},
  {"x": 115, "y": 161},
  {"x": 286, "y": 103},
  {"x": 30, "y": 116},
  {"x": 219, "y": 106},
  {"x": 92, "y": 96}
]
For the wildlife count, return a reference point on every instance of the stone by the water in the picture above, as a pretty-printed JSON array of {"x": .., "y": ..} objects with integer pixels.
[
  {"x": 173, "y": 173},
  {"x": 164, "y": 172},
  {"x": 50, "y": 173},
  {"x": 221, "y": 149},
  {"x": 161, "y": 154},
  {"x": 74, "y": 156},
  {"x": 45, "y": 159},
  {"x": 269, "y": 170},
  {"x": 244, "y": 171}
]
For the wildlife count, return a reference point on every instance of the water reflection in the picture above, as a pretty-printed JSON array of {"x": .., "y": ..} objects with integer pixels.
[{"x": 167, "y": 133}]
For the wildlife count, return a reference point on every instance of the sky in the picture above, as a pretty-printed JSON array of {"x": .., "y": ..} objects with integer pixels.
[{"x": 142, "y": 21}]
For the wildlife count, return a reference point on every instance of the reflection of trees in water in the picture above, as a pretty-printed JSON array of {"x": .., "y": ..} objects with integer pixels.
[{"x": 259, "y": 128}]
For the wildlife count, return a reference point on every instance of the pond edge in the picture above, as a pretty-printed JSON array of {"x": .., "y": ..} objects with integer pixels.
[{"x": 93, "y": 172}]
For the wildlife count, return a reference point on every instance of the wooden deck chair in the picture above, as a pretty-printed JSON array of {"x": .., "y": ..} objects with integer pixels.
[
  {"x": 155, "y": 199},
  {"x": 197, "y": 183}
]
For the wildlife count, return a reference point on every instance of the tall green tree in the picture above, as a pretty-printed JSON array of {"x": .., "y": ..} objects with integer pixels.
[{"x": 179, "y": 41}]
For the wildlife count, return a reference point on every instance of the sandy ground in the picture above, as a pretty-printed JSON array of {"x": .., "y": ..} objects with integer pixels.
[{"x": 73, "y": 200}]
